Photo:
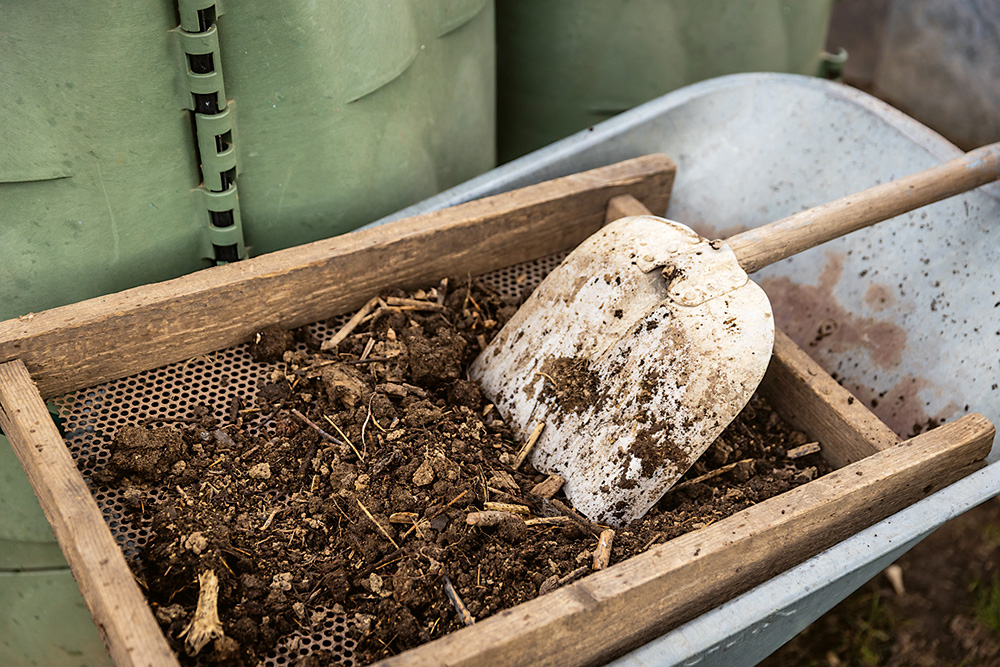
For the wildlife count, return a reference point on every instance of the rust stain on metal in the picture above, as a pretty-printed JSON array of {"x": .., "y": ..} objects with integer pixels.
[
  {"x": 812, "y": 317},
  {"x": 902, "y": 408},
  {"x": 879, "y": 296}
]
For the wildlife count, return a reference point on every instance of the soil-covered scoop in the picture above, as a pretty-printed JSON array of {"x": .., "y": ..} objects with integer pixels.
[
  {"x": 647, "y": 340},
  {"x": 620, "y": 352}
]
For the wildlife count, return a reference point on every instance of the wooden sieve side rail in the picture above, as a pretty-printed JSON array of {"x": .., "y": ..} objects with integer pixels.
[
  {"x": 612, "y": 611},
  {"x": 131, "y": 634},
  {"x": 114, "y": 336}
]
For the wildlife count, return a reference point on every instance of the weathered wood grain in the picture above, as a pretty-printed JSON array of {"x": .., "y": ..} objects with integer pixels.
[
  {"x": 614, "y": 610},
  {"x": 119, "y": 608},
  {"x": 810, "y": 400},
  {"x": 113, "y": 336},
  {"x": 623, "y": 206}
]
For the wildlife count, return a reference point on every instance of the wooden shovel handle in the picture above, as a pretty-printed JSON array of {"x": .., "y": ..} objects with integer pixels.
[{"x": 756, "y": 248}]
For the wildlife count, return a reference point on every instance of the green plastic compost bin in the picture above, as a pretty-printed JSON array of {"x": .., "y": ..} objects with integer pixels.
[
  {"x": 564, "y": 65},
  {"x": 143, "y": 141},
  {"x": 126, "y": 126}
]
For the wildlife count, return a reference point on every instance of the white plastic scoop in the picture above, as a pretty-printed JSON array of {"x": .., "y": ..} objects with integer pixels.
[{"x": 647, "y": 340}]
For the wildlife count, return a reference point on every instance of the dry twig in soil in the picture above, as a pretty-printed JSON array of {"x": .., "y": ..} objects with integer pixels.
[
  {"x": 463, "y": 611},
  {"x": 602, "y": 554},
  {"x": 532, "y": 439},
  {"x": 205, "y": 625}
]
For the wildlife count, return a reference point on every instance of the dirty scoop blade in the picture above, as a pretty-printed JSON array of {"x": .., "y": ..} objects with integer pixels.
[{"x": 636, "y": 352}]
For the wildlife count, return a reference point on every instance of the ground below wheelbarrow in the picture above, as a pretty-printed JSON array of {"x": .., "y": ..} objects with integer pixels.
[{"x": 947, "y": 612}]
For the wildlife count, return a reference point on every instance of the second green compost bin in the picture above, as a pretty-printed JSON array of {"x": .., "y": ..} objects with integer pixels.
[{"x": 564, "y": 65}]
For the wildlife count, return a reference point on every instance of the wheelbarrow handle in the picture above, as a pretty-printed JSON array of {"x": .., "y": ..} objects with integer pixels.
[{"x": 756, "y": 248}]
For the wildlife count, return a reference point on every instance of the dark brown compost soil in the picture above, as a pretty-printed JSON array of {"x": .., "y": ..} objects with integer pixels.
[{"x": 355, "y": 498}]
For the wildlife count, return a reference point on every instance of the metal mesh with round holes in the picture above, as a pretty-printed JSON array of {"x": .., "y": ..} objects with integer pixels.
[
  {"x": 330, "y": 635},
  {"x": 92, "y": 416}
]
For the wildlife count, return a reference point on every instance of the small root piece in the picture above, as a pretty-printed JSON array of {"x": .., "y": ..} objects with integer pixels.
[
  {"x": 377, "y": 524},
  {"x": 547, "y": 521},
  {"x": 413, "y": 304},
  {"x": 438, "y": 513},
  {"x": 508, "y": 507},
  {"x": 651, "y": 541},
  {"x": 344, "y": 436},
  {"x": 442, "y": 291},
  {"x": 602, "y": 554},
  {"x": 311, "y": 424},
  {"x": 351, "y": 325},
  {"x": 555, "y": 581},
  {"x": 532, "y": 439},
  {"x": 548, "y": 487},
  {"x": 586, "y": 525},
  {"x": 364, "y": 445},
  {"x": 549, "y": 378},
  {"x": 894, "y": 573},
  {"x": 205, "y": 626},
  {"x": 456, "y": 602},
  {"x": 267, "y": 523},
  {"x": 803, "y": 450},
  {"x": 488, "y": 518},
  {"x": 712, "y": 474}
]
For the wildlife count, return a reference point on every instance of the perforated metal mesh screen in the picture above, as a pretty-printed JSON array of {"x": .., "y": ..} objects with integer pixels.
[
  {"x": 330, "y": 635},
  {"x": 91, "y": 417}
]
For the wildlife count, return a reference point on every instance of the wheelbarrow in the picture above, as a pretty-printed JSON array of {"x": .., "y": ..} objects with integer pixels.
[{"x": 785, "y": 143}]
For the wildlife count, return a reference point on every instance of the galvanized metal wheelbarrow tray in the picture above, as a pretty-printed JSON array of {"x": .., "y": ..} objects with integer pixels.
[{"x": 877, "y": 309}]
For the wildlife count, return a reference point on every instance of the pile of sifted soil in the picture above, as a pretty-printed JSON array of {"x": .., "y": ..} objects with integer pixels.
[{"x": 359, "y": 497}]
